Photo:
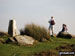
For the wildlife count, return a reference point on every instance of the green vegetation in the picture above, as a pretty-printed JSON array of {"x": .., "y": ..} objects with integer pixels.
[
  {"x": 35, "y": 31},
  {"x": 38, "y": 33},
  {"x": 15, "y": 50}
]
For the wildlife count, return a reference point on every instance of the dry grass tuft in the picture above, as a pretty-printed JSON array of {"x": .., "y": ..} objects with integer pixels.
[{"x": 35, "y": 31}]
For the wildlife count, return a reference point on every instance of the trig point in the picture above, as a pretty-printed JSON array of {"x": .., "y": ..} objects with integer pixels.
[{"x": 12, "y": 28}]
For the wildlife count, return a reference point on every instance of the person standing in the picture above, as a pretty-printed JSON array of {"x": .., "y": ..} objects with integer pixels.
[{"x": 51, "y": 24}]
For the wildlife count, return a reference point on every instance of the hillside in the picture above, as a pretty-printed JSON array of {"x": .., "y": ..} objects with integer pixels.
[{"x": 16, "y": 50}]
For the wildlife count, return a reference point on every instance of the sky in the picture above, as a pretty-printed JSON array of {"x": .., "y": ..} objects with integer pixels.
[{"x": 38, "y": 12}]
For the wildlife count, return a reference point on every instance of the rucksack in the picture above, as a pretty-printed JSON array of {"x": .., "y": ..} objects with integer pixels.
[{"x": 52, "y": 22}]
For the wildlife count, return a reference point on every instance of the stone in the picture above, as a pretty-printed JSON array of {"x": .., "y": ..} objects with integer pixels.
[
  {"x": 2, "y": 34},
  {"x": 21, "y": 40},
  {"x": 64, "y": 35},
  {"x": 2, "y": 40},
  {"x": 24, "y": 40},
  {"x": 73, "y": 36},
  {"x": 11, "y": 40},
  {"x": 12, "y": 29}
]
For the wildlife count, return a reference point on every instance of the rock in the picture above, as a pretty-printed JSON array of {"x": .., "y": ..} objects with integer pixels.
[
  {"x": 3, "y": 34},
  {"x": 21, "y": 40},
  {"x": 12, "y": 29},
  {"x": 2, "y": 40},
  {"x": 11, "y": 40},
  {"x": 73, "y": 36},
  {"x": 64, "y": 35},
  {"x": 24, "y": 40}
]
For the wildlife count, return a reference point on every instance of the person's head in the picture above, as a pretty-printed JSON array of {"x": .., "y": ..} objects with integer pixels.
[
  {"x": 64, "y": 25},
  {"x": 51, "y": 17}
]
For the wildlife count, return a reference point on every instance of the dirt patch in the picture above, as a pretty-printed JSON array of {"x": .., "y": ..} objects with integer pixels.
[
  {"x": 47, "y": 53},
  {"x": 67, "y": 48}
]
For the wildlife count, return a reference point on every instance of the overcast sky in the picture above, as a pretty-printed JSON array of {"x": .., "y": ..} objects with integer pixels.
[{"x": 38, "y": 12}]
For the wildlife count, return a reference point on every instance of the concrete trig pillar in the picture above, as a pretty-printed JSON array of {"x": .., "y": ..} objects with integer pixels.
[{"x": 12, "y": 29}]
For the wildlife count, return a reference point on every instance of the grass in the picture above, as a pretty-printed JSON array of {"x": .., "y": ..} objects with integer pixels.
[
  {"x": 15, "y": 50},
  {"x": 37, "y": 32}
]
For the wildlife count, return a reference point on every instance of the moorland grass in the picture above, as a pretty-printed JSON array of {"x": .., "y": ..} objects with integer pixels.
[
  {"x": 37, "y": 32},
  {"x": 15, "y": 50}
]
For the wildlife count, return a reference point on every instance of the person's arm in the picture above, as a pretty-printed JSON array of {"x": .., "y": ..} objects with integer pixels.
[{"x": 66, "y": 29}]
